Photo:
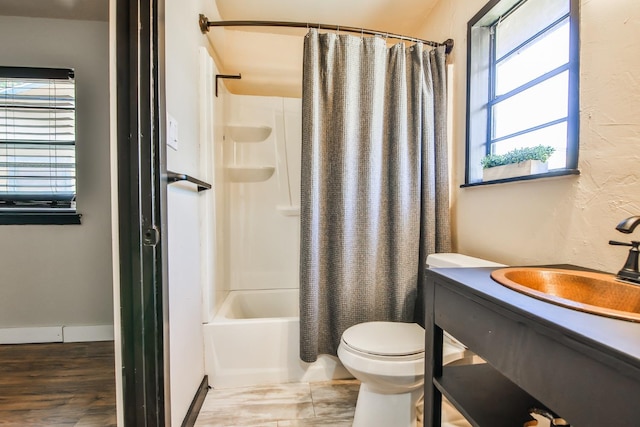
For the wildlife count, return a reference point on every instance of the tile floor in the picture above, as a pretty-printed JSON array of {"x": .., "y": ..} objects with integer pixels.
[
  {"x": 329, "y": 403},
  {"x": 281, "y": 405}
]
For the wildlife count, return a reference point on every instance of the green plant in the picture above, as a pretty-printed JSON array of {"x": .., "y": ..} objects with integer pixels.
[{"x": 540, "y": 152}]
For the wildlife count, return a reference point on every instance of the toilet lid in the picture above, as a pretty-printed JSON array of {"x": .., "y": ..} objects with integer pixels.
[{"x": 385, "y": 338}]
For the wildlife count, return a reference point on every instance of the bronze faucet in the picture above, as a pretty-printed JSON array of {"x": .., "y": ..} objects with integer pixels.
[{"x": 630, "y": 271}]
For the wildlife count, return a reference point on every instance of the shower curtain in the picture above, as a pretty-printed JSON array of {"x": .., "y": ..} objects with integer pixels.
[{"x": 374, "y": 182}]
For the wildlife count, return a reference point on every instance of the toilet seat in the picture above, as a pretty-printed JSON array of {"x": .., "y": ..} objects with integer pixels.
[{"x": 382, "y": 340}]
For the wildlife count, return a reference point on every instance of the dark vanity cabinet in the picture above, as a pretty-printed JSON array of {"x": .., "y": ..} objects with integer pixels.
[{"x": 583, "y": 367}]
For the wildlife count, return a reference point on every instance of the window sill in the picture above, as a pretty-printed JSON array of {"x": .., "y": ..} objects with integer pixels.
[
  {"x": 39, "y": 218},
  {"x": 554, "y": 173}
]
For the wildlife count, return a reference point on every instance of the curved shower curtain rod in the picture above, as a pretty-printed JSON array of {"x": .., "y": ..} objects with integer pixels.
[{"x": 205, "y": 24}]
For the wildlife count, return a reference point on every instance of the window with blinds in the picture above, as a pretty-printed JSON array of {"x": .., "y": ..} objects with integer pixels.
[{"x": 37, "y": 140}]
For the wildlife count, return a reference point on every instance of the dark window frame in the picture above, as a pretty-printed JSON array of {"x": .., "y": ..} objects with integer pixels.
[
  {"x": 40, "y": 213},
  {"x": 485, "y": 101}
]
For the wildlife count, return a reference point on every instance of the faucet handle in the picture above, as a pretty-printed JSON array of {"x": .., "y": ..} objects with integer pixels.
[
  {"x": 630, "y": 272},
  {"x": 633, "y": 244}
]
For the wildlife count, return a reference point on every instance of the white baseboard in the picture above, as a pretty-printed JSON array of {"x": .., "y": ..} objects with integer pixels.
[
  {"x": 30, "y": 335},
  {"x": 88, "y": 333},
  {"x": 46, "y": 334}
]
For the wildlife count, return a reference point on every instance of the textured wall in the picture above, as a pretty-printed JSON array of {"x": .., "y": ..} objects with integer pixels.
[{"x": 567, "y": 219}]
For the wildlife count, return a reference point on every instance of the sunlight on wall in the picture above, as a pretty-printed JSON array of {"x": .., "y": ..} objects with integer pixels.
[{"x": 569, "y": 219}]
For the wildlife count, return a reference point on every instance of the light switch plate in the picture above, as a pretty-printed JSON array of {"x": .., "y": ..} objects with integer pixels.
[{"x": 172, "y": 133}]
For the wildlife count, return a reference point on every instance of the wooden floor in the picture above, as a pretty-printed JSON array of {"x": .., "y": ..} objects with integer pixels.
[{"x": 70, "y": 384}]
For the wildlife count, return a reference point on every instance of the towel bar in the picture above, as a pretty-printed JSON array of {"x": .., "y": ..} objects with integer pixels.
[{"x": 175, "y": 177}]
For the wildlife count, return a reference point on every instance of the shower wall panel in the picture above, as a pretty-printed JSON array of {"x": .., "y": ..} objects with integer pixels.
[{"x": 263, "y": 216}]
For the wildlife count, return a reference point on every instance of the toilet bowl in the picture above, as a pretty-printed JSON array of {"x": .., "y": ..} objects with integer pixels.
[{"x": 388, "y": 359}]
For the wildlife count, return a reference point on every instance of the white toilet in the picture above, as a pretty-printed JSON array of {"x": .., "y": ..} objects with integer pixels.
[{"x": 388, "y": 359}]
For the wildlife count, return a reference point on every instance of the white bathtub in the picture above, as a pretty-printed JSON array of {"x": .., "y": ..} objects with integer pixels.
[{"x": 254, "y": 339}]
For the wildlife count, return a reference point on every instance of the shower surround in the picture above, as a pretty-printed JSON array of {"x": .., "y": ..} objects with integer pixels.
[{"x": 252, "y": 335}]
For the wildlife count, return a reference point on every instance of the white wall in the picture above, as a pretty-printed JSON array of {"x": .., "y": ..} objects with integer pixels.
[
  {"x": 185, "y": 221},
  {"x": 213, "y": 207},
  {"x": 55, "y": 275},
  {"x": 568, "y": 219}
]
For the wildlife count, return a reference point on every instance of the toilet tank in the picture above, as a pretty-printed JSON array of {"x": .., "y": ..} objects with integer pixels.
[{"x": 458, "y": 260}]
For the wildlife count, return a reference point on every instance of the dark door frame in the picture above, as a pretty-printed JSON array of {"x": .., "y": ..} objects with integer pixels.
[{"x": 142, "y": 211}]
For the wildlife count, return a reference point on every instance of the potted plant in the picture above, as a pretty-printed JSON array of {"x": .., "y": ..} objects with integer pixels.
[{"x": 517, "y": 162}]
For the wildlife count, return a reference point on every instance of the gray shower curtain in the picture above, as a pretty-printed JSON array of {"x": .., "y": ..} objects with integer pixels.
[{"x": 374, "y": 182}]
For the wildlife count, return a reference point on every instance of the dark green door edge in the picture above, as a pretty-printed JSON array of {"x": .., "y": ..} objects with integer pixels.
[{"x": 142, "y": 211}]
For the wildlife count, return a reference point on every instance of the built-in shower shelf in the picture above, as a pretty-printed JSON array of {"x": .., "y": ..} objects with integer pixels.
[
  {"x": 249, "y": 173},
  {"x": 288, "y": 210},
  {"x": 247, "y": 133}
]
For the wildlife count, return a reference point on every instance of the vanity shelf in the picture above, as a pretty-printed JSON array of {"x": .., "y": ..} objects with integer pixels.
[
  {"x": 485, "y": 397},
  {"x": 249, "y": 173},
  {"x": 247, "y": 133}
]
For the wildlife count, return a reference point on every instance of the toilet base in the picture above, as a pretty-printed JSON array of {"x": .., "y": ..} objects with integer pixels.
[{"x": 375, "y": 409}]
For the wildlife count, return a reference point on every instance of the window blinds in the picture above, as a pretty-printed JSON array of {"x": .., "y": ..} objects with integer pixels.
[{"x": 37, "y": 138}]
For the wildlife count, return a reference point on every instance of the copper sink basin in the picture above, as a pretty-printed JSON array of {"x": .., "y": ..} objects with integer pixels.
[{"x": 596, "y": 293}]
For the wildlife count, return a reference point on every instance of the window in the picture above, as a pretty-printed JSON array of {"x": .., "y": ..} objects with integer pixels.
[
  {"x": 37, "y": 146},
  {"x": 522, "y": 82}
]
